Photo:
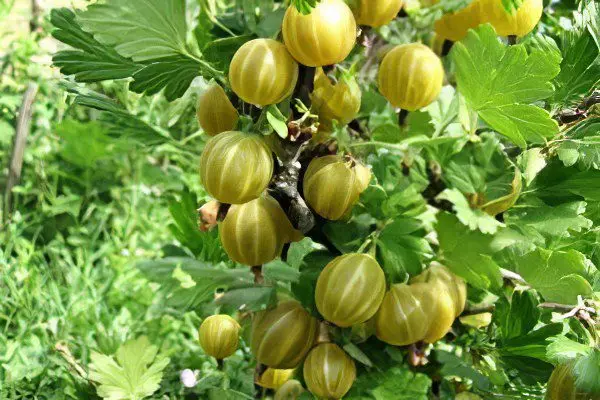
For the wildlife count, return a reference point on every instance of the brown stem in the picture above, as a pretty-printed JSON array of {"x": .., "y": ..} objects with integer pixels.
[
  {"x": 259, "y": 279},
  {"x": 258, "y": 371},
  {"x": 64, "y": 351},
  {"x": 22, "y": 132},
  {"x": 513, "y": 276},
  {"x": 567, "y": 307},
  {"x": 478, "y": 310}
]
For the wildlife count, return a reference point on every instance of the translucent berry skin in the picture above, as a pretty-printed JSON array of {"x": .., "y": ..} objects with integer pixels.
[
  {"x": 326, "y": 36},
  {"x": 376, "y": 13},
  {"x": 412, "y": 313},
  {"x": 454, "y": 26},
  {"x": 350, "y": 289},
  {"x": 561, "y": 385},
  {"x": 340, "y": 101},
  {"x": 332, "y": 185},
  {"x": 455, "y": 285},
  {"x": 281, "y": 337},
  {"x": 254, "y": 233},
  {"x": 411, "y": 76},
  {"x": 519, "y": 22},
  {"x": 291, "y": 390},
  {"x": 263, "y": 72},
  {"x": 329, "y": 372},
  {"x": 215, "y": 112},
  {"x": 219, "y": 336},
  {"x": 275, "y": 378},
  {"x": 236, "y": 167}
]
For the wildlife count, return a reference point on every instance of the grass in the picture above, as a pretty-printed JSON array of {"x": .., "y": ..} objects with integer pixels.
[{"x": 68, "y": 255}]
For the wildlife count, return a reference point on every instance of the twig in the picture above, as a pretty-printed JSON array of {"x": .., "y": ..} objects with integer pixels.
[
  {"x": 22, "y": 132},
  {"x": 513, "y": 276},
  {"x": 64, "y": 351},
  {"x": 259, "y": 279},
  {"x": 478, "y": 310}
]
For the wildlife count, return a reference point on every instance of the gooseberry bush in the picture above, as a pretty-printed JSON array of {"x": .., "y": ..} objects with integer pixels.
[{"x": 395, "y": 199}]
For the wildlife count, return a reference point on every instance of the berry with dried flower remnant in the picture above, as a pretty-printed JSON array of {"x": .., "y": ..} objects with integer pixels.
[
  {"x": 332, "y": 185},
  {"x": 254, "y": 233}
]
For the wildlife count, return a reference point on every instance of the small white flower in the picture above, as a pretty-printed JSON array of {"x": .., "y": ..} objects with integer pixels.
[{"x": 188, "y": 378}]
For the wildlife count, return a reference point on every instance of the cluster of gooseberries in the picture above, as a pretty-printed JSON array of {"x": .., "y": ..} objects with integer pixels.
[{"x": 237, "y": 167}]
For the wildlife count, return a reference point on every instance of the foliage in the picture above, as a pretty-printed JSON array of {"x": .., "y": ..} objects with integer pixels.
[{"x": 105, "y": 276}]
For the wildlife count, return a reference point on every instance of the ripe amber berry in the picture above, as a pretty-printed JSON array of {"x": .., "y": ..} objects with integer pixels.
[
  {"x": 519, "y": 22},
  {"x": 324, "y": 37},
  {"x": 332, "y": 185},
  {"x": 274, "y": 378},
  {"x": 236, "y": 167},
  {"x": 329, "y": 372},
  {"x": 215, "y": 112},
  {"x": 561, "y": 385},
  {"x": 281, "y": 337},
  {"x": 377, "y": 13},
  {"x": 411, "y": 313},
  {"x": 254, "y": 233},
  {"x": 291, "y": 390},
  {"x": 219, "y": 336},
  {"x": 404, "y": 315},
  {"x": 411, "y": 76},
  {"x": 456, "y": 286},
  {"x": 340, "y": 102},
  {"x": 454, "y": 26},
  {"x": 350, "y": 289},
  {"x": 263, "y": 72}
]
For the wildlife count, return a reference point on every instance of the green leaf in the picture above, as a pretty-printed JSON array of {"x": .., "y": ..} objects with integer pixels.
[
  {"x": 208, "y": 279},
  {"x": 475, "y": 219},
  {"x": 305, "y": 6},
  {"x": 174, "y": 74},
  {"x": 134, "y": 374},
  {"x": 206, "y": 246},
  {"x": 87, "y": 148},
  {"x": 550, "y": 221},
  {"x": 500, "y": 82},
  {"x": 356, "y": 353},
  {"x": 466, "y": 252},
  {"x": 277, "y": 120},
  {"x": 533, "y": 344},
  {"x": 403, "y": 248},
  {"x": 582, "y": 144},
  {"x": 587, "y": 371},
  {"x": 580, "y": 68},
  {"x": 557, "y": 275},
  {"x": 563, "y": 350},
  {"x": 518, "y": 316},
  {"x": 220, "y": 51},
  {"x": 395, "y": 383},
  {"x": 116, "y": 118},
  {"x": 280, "y": 271},
  {"x": 92, "y": 61},
  {"x": 532, "y": 161},
  {"x": 453, "y": 365},
  {"x": 252, "y": 298},
  {"x": 142, "y": 30}
]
